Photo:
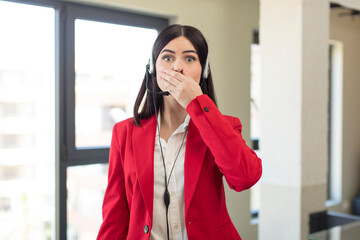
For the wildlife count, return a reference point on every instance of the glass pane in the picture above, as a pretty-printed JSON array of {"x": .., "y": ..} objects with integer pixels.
[
  {"x": 86, "y": 187},
  {"x": 27, "y": 122},
  {"x": 110, "y": 64}
]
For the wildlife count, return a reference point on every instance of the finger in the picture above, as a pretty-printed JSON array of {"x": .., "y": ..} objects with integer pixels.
[
  {"x": 170, "y": 79},
  {"x": 178, "y": 76},
  {"x": 165, "y": 84},
  {"x": 170, "y": 87}
]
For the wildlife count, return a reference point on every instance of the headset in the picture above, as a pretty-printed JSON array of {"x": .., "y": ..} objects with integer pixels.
[{"x": 150, "y": 70}]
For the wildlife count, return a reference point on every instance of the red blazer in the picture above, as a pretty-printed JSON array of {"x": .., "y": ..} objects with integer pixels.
[{"x": 214, "y": 148}]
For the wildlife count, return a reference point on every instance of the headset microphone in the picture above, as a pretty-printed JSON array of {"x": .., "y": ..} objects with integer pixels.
[
  {"x": 149, "y": 71},
  {"x": 206, "y": 68}
]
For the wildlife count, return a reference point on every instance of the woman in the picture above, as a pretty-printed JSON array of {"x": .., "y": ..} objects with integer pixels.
[{"x": 167, "y": 163}]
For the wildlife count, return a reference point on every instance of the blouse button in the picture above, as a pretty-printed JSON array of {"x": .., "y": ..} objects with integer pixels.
[{"x": 206, "y": 109}]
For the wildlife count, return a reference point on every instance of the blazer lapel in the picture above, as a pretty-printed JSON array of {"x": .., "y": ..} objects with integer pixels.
[
  {"x": 144, "y": 145},
  {"x": 194, "y": 158}
]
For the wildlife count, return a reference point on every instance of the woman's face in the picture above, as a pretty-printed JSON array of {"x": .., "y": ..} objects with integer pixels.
[{"x": 179, "y": 55}]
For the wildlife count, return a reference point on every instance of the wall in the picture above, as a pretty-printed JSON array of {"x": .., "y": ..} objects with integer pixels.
[
  {"x": 228, "y": 27},
  {"x": 347, "y": 30},
  {"x": 294, "y": 50}
]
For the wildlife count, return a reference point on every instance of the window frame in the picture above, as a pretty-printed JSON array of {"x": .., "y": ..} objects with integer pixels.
[
  {"x": 70, "y": 156},
  {"x": 72, "y": 12}
]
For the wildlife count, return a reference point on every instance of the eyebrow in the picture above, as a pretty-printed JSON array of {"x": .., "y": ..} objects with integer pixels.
[{"x": 171, "y": 51}]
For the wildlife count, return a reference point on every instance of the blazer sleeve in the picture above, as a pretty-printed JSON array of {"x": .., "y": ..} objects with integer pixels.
[
  {"x": 222, "y": 134},
  {"x": 115, "y": 208}
]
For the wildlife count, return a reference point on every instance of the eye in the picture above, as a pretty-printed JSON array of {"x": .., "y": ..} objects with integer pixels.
[
  {"x": 190, "y": 58},
  {"x": 167, "y": 58}
]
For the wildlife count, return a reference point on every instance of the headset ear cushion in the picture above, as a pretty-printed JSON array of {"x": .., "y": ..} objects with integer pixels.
[
  {"x": 151, "y": 68},
  {"x": 206, "y": 68}
]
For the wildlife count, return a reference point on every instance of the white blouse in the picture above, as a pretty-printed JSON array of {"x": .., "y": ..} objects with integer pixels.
[{"x": 176, "y": 217}]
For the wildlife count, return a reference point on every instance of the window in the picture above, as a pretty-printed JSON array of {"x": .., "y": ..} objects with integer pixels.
[
  {"x": 68, "y": 72},
  {"x": 335, "y": 123},
  {"x": 105, "y": 56},
  {"x": 27, "y": 121},
  {"x": 85, "y": 187},
  {"x": 109, "y": 63}
]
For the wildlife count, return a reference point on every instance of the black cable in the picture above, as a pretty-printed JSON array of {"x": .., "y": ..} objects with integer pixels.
[
  {"x": 167, "y": 180},
  {"x": 166, "y": 193}
]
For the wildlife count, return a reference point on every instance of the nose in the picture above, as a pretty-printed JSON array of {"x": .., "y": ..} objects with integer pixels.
[{"x": 178, "y": 66}]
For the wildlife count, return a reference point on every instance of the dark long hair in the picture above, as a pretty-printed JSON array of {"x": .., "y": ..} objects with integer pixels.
[{"x": 169, "y": 33}]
